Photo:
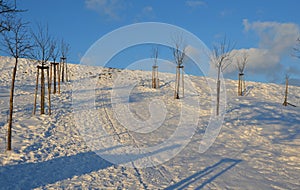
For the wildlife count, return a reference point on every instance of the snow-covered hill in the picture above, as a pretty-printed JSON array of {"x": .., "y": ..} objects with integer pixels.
[{"x": 258, "y": 146}]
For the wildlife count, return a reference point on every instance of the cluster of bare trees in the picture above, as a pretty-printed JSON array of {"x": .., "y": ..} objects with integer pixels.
[
  {"x": 221, "y": 57},
  {"x": 18, "y": 42},
  {"x": 179, "y": 53},
  {"x": 42, "y": 47}
]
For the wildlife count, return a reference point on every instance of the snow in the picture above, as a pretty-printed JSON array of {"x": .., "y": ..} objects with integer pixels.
[{"x": 258, "y": 146}]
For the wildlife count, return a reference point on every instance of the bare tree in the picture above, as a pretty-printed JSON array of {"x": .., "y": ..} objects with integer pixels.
[
  {"x": 43, "y": 51},
  {"x": 179, "y": 51},
  {"x": 65, "y": 48},
  {"x": 221, "y": 57},
  {"x": 43, "y": 45},
  {"x": 155, "y": 79},
  {"x": 241, "y": 62},
  {"x": 285, "y": 102},
  {"x": 17, "y": 44},
  {"x": 55, "y": 50}
]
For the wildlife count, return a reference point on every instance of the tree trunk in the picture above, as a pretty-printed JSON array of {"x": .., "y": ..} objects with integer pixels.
[
  {"x": 58, "y": 71},
  {"x": 175, "y": 90},
  {"x": 240, "y": 85},
  {"x": 54, "y": 79},
  {"x": 178, "y": 83},
  {"x": 176, "y": 95},
  {"x": 36, "y": 89},
  {"x": 153, "y": 78},
  {"x": 244, "y": 86},
  {"x": 218, "y": 97},
  {"x": 285, "y": 103},
  {"x": 62, "y": 72},
  {"x": 49, "y": 93},
  {"x": 218, "y": 91},
  {"x": 67, "y": 79},
  {"x": 182, "y": 77},
  {"x": 51, "y": 65},
  {"x": 42, "y": 91},
  {"x": 11, "y": 105}
]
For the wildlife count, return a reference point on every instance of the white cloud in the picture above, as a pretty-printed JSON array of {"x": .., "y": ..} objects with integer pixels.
[
  {"x": 276, "y": 41},
  {"x": 260, "y": 61},
  {"x": 146, "y": 13},
  {"x": 195, "y": 3},
  {"x": 108, "y": 8},
  {"x": 278, "y": 37}
]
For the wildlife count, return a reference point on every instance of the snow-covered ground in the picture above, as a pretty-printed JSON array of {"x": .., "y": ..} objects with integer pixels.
[{"x": 258, "y": 146}]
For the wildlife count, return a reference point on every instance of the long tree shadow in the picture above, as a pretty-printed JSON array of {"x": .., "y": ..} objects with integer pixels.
[
  {"x": 32, "y": 175},
  {"x": 214, "y": 171}
]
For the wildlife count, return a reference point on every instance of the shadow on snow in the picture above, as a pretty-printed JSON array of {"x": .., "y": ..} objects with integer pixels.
[
  {"x": 207, "y": 175},
  {"x": 32, "y": 175}
]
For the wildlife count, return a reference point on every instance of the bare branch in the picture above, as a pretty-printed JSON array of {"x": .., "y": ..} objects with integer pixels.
[
  {"x": 43, "y": 44},
  {"x": 7, "y": 12},
  {"x": 17, "y": 41},
  {"x": 179, "y": 50},
  {"x": 296, "y": 49},
  {"x": 222, "y": 54},
  {"x": 64, "y": 48},
  {"x": 241, "y": 62},
  {"x": 56, "y": 50},
  {"x": 155, "y": 55}
]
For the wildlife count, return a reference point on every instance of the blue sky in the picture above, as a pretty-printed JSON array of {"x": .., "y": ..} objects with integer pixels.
[{"x": 266, "y": 29}]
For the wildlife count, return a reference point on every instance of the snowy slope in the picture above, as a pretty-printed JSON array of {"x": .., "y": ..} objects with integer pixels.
[{"x": 258, "y": 146}]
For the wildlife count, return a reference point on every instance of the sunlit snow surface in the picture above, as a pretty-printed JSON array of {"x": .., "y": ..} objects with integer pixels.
[{"x": 258, "y": 146}]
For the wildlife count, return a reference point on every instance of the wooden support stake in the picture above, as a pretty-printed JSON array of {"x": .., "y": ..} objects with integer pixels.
[
  {"x": 155, "y": 80},
  {"x": 182, "y": 70},
  {"x": 42, "y": 90},
  {"x": 42, "y": 68},
  {"x": 55, "y": 70},
  {"x": 36, "y": 89},
  {"x": 58, "y": 71},
  {"x": 218, "y": 96},
  {"x": 176, "y": 95},
  {"x": 51, "y": 76},
  {"x": 285, "y": 103},
  {"x": 64, "y": 69},
  {"x": 179, "y": 73},
  {"x": 49, "y": 93}
]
